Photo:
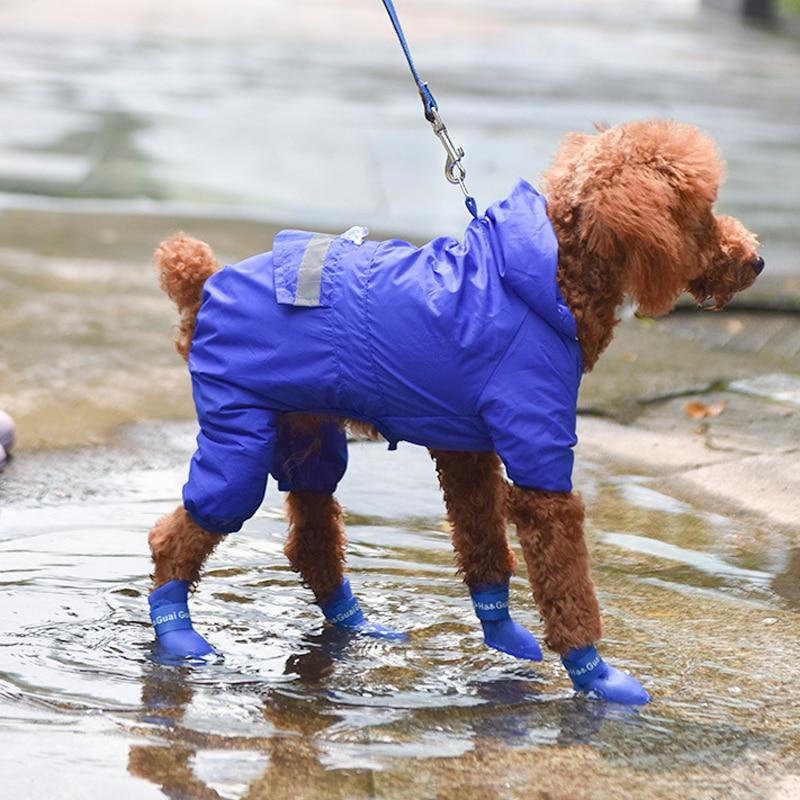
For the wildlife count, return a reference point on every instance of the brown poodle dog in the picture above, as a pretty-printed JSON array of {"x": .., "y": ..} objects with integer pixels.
[{"x": 632, "y": 211}]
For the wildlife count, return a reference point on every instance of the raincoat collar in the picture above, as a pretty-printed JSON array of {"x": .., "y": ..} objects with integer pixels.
[{"x": 523, "y": 236}]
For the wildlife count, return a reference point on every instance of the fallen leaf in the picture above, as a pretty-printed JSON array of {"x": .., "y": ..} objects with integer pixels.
[
  {"x": 630, "y": 358},
  {"x": 734, "y": 326},
  {"x": 694, "y": 409}
]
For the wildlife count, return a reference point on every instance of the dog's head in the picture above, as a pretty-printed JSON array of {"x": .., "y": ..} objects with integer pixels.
[{"x": 641, "y": 196}]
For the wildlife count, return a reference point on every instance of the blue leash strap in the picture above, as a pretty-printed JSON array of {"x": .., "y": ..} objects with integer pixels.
[
  {"x": 428, "y": 100},
  {"x": 454, "y": 170}
]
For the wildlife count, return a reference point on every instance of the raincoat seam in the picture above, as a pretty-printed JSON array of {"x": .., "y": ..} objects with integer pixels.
[
  {"x": 212, "y": 525},
  {"x": 469, "y": 417},
  {"x": 368, "y": 329},
  {"x": 500, "y": 360},
  {"x": 332, "y": 289}
]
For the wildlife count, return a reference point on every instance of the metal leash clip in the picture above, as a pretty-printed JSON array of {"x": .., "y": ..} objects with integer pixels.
[{"x": 454, "y": 170}]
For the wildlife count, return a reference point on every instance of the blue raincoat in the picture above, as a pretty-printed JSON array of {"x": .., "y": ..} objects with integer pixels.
[{"x": 453, "y": 345}]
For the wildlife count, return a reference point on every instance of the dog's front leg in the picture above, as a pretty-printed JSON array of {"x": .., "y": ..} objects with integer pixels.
[
  {"x": 179, "y": 548},
  {"x": 550, "y": 529},
  {"x": 475, "y": 496}
]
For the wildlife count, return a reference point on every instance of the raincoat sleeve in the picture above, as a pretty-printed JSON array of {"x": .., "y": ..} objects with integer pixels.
[
  {"x": 228, "y": 472},
  {"x": 530, "y": 407}
]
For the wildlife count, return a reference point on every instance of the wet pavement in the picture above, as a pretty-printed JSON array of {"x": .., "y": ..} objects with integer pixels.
[{"x": 129, "y": 122}]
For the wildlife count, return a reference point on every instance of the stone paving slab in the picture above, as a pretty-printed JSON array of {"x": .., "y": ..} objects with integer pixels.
[
  {"x": 745, "y": 457},
  {"x": 765, "y": 485},
  {"x": 636, "y": 448},
  {"x": 745, "y": 425}
]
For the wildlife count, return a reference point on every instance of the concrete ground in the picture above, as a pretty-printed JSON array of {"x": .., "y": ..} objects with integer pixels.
[{"x": 745, "y": 367}]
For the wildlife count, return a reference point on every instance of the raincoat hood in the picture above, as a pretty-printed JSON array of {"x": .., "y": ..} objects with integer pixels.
[{"x": 528, "y": 254}]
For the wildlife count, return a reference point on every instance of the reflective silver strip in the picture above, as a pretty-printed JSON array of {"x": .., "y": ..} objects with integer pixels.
[{"x": 309, "y": 275}]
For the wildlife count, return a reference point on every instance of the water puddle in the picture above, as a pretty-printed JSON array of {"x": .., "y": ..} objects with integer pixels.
[
  {"x": 694, "y": 604},
  {"x": 781, "y": 388}
]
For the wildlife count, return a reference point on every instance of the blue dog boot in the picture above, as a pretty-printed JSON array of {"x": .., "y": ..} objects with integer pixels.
[
  {"x": 499, "y": 630},
  {"x": 591, "y": 674},
  {"x": 169, "y": 612},
  {"x": 344, "y": 612}
]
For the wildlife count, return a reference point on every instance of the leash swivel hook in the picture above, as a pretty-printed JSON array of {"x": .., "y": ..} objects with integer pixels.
[{"x": 454, "y": 171}]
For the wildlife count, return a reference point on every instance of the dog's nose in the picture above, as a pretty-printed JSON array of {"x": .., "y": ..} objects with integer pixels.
[{"x": 758, "y": 265}]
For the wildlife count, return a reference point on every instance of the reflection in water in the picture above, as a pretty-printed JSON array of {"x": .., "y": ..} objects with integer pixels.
[
  {"x": 305, "y": 734},
  {"x": 334, "y": 752},
  {"x": 787, "y": 583}
]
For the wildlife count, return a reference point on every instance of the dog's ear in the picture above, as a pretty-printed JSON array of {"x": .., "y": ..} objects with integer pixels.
[{"x": 648, "y": 189}]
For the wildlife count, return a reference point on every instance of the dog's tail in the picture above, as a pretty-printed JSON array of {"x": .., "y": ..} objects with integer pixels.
[{"x": 184, "y": 264}]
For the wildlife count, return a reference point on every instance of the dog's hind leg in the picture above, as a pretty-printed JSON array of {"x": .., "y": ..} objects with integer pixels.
[
  {"x": 315, "y": 549},
  {"x": 310, "y": 460},
  {"x": 179, "y": 548},
  {"x": 315, "y": 546},
  {"x": 475, "y": 496},
  {"x": 550, "y": 528}
]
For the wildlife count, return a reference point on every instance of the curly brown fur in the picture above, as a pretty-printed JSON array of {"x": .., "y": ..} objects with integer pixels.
[
  {"x": 632, "y": 208},
  {"x": 309, "y": 425},
  {"x": 179, "y": 548},
  {"x": 315, "y": 547},
  {"x": 550, "y": 530},
  {"x": 475, "y": 495},
  {"x": 184, "y": 265},
  {"x": 720, "y": 281}
]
